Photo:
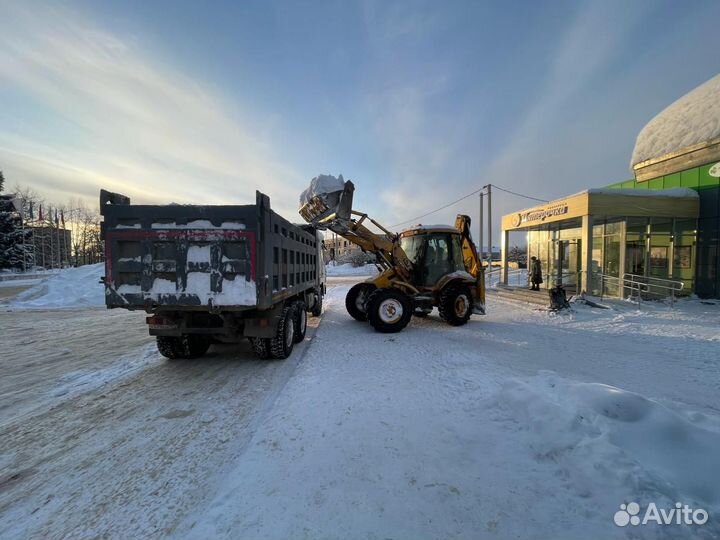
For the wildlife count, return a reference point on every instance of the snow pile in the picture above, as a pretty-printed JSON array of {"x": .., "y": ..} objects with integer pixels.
[
  {"x": 608, "y": 443},
  {"x": 69, "y": 288},
  {"x": 692, "y": 119},
  {"x": 321, "y": 186},
  {"x": 348, "y": 269}
]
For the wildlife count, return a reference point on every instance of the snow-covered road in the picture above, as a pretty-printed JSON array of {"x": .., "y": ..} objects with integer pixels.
[
  {"x": 496, "y": 429},
  {"x": 101, "y": 437}
]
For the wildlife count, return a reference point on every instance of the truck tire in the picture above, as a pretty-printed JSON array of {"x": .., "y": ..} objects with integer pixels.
[
  {"x": 389, "y": 310},
  {"x": 185, "y": 346},
  {"x": 261, "y": 346},
  {"x": 168, "y": 346},
  {"x": 282, "y": 344},
  {"x": 300, "y": 321},
  {"x": 455, "y": 304},
  {"x": 317, "y": 306},
  {"x": 357, "y": 299}
]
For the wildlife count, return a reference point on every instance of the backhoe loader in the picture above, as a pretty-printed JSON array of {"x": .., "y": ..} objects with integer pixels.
[{"x": 421, "y": 267}]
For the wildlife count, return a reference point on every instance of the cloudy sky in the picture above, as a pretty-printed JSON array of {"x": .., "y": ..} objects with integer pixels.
[{"x": 418, "y": 102}]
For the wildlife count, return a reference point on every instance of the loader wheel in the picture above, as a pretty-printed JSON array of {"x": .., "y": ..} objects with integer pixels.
[
  {"x": 300, "y": 321},
  {"x": 282, "y": 344},
  {"x": 357, "y": 300},
  {"x": 185, "y": 346},
  {"x": 317, "y": 306},
  {"x": 455, "y": 304},
  {"x": 389, "y": 310},
  {"x": 261, "y": 346}
]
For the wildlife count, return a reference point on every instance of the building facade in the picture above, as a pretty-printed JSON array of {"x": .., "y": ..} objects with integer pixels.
[
  {"x": 701, "y": 173},
  {"x": 659, "y": 230},
  {"x": 598, "y": 240}
]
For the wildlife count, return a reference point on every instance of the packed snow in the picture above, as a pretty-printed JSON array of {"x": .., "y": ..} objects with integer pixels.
[
  {"x": 691, "y": 120},
  {"x": 69, "y": 288},
  {"x": 522, "y": 423},
  {"x": 320, "y": 186},
  {"x": 348, "y": 269}
]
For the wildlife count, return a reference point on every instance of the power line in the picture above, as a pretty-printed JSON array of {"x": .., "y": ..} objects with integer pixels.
[
  {"x": 463, "y": 198},
  {"x": 519, "y": 194},
  {"x": 438, "y": 209}
]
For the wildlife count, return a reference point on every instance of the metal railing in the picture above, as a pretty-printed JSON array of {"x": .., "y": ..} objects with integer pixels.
[
  {"x": 517, "y": 277},
  {"x": 671, "y": 286},
  {"x": 635, "y": 288}
]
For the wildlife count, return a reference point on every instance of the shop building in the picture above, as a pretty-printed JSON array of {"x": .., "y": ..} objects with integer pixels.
[
  {"x": 597, "y": 240},
  {"x": 659, "y": 231}
]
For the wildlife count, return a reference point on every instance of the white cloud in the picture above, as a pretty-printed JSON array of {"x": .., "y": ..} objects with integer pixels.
[
  {"x": 129, "y": 121},
  {"x": 532, "y": 161}
]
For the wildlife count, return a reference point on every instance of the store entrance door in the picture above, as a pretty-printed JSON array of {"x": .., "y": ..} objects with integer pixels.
[{"x": 568, "y": 265}]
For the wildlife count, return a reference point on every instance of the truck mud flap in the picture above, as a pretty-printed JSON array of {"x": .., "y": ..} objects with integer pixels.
[{"x": 265, "y": 325}]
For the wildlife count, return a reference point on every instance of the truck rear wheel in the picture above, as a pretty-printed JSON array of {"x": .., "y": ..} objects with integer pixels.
[
  {"x": 389, "y": 310},
  {"x": 356, "y": 300},
  {"x": 282, "y": 344},
  {"x": 261, "y": 346},
  {"x": 455, "y": 304},
  {"x": 185, "y": 346},
  {"x": 300, "y": 321}
]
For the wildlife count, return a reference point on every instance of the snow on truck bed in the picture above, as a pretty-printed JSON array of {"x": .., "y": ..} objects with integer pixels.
[{"x": 691, "y": 120}]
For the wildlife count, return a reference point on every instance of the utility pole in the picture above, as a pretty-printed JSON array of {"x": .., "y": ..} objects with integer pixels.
[
  {"x": 480, "y": 239},
  {"x": 489, "y": 197}
]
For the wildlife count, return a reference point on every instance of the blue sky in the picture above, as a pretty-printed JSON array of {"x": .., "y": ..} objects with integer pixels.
[{"x": 417, "y": 102}]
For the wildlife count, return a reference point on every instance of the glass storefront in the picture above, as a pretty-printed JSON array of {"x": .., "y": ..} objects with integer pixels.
[
  {"x": 558, "y": 247},
  {"x": 638, "y": 248}
]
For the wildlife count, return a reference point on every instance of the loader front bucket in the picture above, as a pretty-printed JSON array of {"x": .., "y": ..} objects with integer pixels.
[{"x": 327, "y": 209}]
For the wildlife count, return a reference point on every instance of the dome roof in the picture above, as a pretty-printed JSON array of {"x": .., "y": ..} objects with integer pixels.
[{"x": 692, "y": 120}]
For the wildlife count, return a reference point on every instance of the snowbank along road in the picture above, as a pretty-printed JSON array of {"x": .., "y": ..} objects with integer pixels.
[{"x": 521, "y": 424}]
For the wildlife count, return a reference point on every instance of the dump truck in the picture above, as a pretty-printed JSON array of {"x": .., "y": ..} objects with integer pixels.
[
  {"x": 212, "y": 273},
  {"x": 421, "y": 268}
]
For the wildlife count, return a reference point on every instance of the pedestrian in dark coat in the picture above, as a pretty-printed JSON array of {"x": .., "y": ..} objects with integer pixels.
[{"x": 535, "y": 274}]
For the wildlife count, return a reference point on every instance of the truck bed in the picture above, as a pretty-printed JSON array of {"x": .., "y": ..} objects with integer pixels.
[{"x": 217, "y": 258}]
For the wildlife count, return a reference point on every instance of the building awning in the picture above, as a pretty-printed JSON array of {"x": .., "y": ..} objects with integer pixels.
[{"x": 607, "y": 203}]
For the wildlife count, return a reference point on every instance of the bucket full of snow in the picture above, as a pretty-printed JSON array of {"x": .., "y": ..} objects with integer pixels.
[{"x": 326, "y": 195}]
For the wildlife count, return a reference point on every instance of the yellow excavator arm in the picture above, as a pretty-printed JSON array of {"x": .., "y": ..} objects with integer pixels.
[{"x": 340, "y": 218}]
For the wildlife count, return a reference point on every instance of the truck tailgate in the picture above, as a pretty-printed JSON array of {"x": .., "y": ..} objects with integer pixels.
[{"x": 191, "y": 265}]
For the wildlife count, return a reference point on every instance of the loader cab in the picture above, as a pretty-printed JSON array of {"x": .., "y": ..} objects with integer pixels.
[{"x": 434, "y": 252}]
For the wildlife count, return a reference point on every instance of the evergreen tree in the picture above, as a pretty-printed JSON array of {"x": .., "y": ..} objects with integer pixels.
[
  {"x": 519, "y": 255},
  {"x": 14, "y": 252},
  {"x": 2, "y": 181}
]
